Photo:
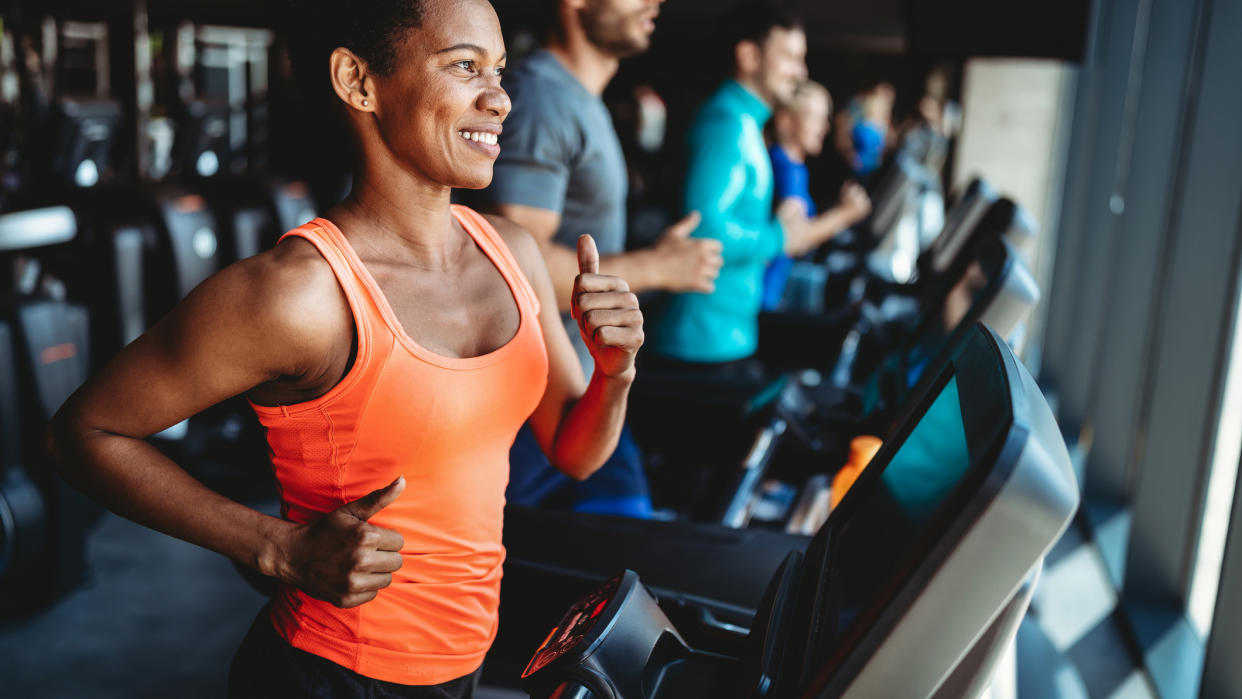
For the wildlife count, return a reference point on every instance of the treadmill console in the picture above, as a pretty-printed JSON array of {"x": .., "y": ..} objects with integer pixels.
[
  {"x": 574, "y": 629},
  {"x": 616, "y": 643}
]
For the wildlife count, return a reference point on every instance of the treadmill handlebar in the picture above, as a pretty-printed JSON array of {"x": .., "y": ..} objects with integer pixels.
[{"x": 754, "y": 466}]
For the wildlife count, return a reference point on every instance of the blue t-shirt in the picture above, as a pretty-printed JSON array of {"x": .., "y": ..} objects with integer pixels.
[
  {"x": 868, "y": 139},
  {"x": 729, "y": 182},
  {"x": 791, "y": 179}
]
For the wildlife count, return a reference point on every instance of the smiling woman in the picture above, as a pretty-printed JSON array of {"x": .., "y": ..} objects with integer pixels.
[{"x": 391, "y": 350}]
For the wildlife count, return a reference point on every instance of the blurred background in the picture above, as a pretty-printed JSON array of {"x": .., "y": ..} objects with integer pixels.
[{"x": 146, "y": 143}]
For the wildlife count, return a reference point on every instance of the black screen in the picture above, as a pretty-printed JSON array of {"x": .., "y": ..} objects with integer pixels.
[{"x": 888, "y": 524}]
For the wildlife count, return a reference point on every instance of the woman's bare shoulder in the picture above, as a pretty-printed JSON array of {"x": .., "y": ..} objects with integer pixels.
[
  {"x": 520, "y": 242},
  {"x": 289, "y": 294}
]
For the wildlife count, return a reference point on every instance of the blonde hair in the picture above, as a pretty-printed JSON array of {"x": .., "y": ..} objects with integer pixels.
[{"x": 804, "y": 89}]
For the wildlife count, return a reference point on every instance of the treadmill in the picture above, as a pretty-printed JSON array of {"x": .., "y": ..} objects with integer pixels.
[
  {"x": 809, "y": 427},
  {"x": 892, "y": 313},
  {"x": 996, "y": 290},
  {"x": 44, "y": 356},
  {"x": 908, "y": 590},
  {"x": 724, "y": 417},
  {"x": 899, "y": 223},
  {"x": 791, "y": 337}
]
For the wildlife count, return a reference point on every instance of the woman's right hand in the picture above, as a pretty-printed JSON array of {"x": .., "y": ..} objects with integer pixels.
[{"x": 340, "y": 557}]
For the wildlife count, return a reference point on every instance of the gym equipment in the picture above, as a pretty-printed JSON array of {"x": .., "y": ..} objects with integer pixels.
[
  {"x": 76, "y": 122},
  {"x": 794, "y": 337},
  {"x": 997, "y": 291},
  {"x": 887, "y": 324},
  {"x": 44, "y": 356},
  {"x": 697, "y": 425},
  {"x": 222, "y": 137},
  {"x": 939, "y": 539},
  {"x": 22, "y": 508},
  {"x": 12, "y": 170},
  {"x": 793, "y": 446}
]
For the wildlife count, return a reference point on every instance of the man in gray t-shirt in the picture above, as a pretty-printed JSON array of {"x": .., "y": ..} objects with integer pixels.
[
  {"x": 560, "y": 155},
  {"x": 561, "y": 173}
]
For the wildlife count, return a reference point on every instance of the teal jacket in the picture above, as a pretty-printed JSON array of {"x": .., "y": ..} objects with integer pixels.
[{"x": 729, "y": 182}]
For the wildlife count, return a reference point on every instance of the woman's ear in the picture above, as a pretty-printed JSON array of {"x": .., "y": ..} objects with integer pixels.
[{"x": 350, "y": 80}]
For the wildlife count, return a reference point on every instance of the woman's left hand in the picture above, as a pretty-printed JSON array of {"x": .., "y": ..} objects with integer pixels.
[{"x": 607, "y": 313}]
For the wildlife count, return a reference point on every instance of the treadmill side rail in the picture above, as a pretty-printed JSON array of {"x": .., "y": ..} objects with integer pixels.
[{"x": 737, "y": 513}]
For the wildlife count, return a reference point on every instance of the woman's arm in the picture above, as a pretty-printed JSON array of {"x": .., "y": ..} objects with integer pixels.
[
  {"x": 253, "y": 323},
  {"x": 803, "y": 234},
  {"x": 578, "y": 422}
]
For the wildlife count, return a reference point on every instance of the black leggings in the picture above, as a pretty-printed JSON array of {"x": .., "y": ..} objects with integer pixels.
[{"x": 267, "y": 667}]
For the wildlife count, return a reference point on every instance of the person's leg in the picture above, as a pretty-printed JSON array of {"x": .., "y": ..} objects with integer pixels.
[
  {"x": 619, "y": 487},
  {"x": 532, "y": 478},
  {"x": 266, "y": 667}
]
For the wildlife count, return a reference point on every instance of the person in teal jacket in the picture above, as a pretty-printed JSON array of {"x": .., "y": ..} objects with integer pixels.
[{"x": 729, "y": 181}]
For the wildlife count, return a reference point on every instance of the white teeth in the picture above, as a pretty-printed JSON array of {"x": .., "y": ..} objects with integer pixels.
[{"x": 489, "y": 138}]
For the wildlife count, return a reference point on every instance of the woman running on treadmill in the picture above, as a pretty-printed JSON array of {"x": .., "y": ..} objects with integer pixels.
[{"x": 391, "y": 350}]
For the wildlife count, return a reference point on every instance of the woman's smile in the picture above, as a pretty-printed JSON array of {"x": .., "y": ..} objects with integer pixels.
[{"x": 482, "y": 138}]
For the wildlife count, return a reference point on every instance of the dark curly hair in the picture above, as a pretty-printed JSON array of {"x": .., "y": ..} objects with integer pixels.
[{"x": 372, "y": 29}]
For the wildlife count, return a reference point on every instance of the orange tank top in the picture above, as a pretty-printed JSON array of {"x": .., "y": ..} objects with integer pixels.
[{"x": 444, "y": 423}]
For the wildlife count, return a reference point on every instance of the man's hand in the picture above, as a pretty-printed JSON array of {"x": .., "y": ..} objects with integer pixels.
[
  {"x": 340, "y": 558},
  {"x": 854, "y": 202},
  {"x": 607, "y": 314},
  {"x": 688, "y": 264}
]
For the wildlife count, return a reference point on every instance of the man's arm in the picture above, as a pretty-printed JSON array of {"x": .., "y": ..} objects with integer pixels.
[{"x": 676, "y": 262}]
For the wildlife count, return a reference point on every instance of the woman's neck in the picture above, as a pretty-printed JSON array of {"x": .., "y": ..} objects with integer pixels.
[
  {"x": 401, "y": 218},
  {"x": 792, "y": 150}
]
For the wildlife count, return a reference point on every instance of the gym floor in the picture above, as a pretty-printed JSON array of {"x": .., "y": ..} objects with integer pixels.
[{"x": 157, "y": 618}]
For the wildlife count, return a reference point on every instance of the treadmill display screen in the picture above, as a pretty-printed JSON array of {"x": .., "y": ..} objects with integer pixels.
[
  {"x": 574, "y": 627},
  {"x": 888, "y": 524}
]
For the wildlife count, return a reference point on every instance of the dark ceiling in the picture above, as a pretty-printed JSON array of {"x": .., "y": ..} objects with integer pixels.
[{"x": 943, "y": 28}]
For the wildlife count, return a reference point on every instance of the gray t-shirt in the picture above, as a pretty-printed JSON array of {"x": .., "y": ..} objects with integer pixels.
[{"x": 559, "y": 151}]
